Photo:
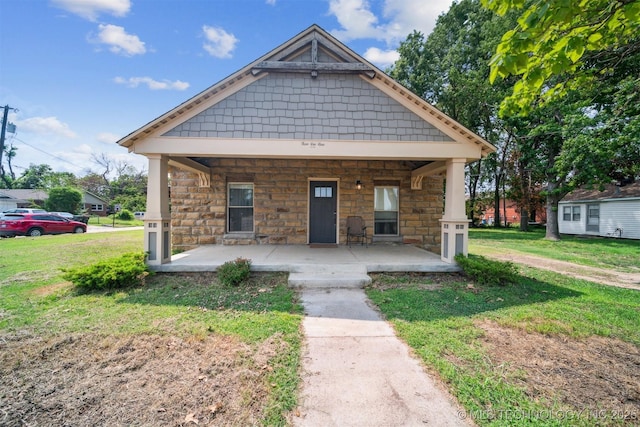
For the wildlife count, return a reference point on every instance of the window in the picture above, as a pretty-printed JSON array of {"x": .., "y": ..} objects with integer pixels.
[
  {"x": 240, "y": 203},
  {"x": 385, "y": 216},
  {"x": 324, "y": 192},
  {"x": 576, "y": 213},
  {"x": 571, "y": 213},
  {"x": 97, "y": 208}
]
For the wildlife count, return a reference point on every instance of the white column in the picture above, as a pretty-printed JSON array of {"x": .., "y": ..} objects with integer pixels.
[
  {"x": 454, "y": 224},
  {"x": 157, "y": 218}
]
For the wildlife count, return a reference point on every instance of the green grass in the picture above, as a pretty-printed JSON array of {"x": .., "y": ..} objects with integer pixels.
[
  {"x": 440, "y": 322},
  {"x": 621, "y": 254},
  {"x": 34, "y": 298}
]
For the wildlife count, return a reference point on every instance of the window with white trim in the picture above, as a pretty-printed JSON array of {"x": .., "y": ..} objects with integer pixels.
[
  {"x": 97, "y": 208},
  {"x": 240, "y": 207},
  {"x": 385, "y": 215},
  {"x": 571, "y": 213}
]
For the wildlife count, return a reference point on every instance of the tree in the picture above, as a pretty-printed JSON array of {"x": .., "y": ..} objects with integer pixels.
[
  {"x": 450, "y": 70},
  {"x": 64, "y": 199},
  {"x": 558, "y": 45},
  {"x": 8, "y": 179},
  {"x": 43, "y": 177}
]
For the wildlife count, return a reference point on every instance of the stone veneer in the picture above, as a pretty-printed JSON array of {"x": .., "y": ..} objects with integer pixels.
[{"x": 281, "y": 200}]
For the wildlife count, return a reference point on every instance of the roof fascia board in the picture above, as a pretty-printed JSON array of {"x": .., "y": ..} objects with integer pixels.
[{"x": 295, "y": 148}]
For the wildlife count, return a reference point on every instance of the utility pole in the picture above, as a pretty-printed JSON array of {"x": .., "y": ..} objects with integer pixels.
[{"x": 5, "y": 118}]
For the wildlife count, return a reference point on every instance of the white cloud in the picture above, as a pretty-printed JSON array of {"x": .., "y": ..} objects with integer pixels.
[
  {"x": 356, "y": 18},
  {"x": 398, "y": 19},
  {"x": 219, "y": 43},
  {"x": 46, "y": 126},
  {"x": 271, "y": 2},
  {"x": 90, "y": 9},
  {"x": 107, "y": 137},
  {"x": 119, "y": 41},
  {"x": 408, "y": 15},
  {"x": 151, "y": 83},
  {"x": 382, "y": 58}
]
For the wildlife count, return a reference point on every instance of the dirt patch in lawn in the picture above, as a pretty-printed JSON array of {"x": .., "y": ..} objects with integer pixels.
[
  {"x": 583, "y": 272},
  {"x": 85, "y": 379},
  {"x": 597, "y": 376}
]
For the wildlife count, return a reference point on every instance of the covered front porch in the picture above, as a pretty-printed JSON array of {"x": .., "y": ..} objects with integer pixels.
[{"x": 292, "y": 258}]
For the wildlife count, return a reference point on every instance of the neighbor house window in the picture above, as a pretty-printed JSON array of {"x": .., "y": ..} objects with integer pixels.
[
  {"x": 576, "y": 213},
  {"x": 571, "y": 213},
  {"x": 385, "y": 217},
  {"x": 240, "y": 203},
  {"x": 97, "y": 208}
]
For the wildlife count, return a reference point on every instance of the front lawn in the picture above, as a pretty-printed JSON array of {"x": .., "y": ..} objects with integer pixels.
[
  {"x": 621, "y": 254},
  {"x": 548, "y": 350},
  {"x": 181, "y": 349}
]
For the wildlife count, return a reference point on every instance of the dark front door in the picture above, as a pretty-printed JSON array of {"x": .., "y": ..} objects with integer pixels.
[{"x": 323, "y": 206}]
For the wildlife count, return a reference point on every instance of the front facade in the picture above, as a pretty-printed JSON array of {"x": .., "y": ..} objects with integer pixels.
[
  {"x": 284, "y": 150},
  {"x": 612, "y": 212}
]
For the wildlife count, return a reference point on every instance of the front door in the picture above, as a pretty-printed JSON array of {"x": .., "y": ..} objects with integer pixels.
[{"x": 323, "y": 204}]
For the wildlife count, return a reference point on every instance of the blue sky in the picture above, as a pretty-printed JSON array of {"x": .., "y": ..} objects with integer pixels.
[{"x": 84, "y": 73}]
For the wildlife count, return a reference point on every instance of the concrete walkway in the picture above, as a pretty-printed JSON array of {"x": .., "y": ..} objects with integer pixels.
[{"x": 358, "y": 373}]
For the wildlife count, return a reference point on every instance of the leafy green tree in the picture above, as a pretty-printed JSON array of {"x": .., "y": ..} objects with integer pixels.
[
  {"x": 64, "y": 199},
  {"x": 450, "y": 70},
  {"x": 43, "y": 177},
  {"x": 559, "y": 45}
]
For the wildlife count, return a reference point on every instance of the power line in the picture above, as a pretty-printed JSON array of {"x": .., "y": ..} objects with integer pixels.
[{"x": 44, "y": 152}]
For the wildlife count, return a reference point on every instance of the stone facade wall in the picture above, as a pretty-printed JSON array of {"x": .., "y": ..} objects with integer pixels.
[
  {"x": 295, "y": 106},
  {"x": 281, "y": 200}
]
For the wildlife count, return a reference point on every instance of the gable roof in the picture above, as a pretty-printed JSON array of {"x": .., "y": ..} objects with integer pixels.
[
  {"x": 26, "y": 194},
  {"x": 301, "y": 54},
  {"x": 610, "y": 192}
]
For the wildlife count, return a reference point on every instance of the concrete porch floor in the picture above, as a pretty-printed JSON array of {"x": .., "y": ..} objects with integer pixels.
[{"x": 291, "y": 258}]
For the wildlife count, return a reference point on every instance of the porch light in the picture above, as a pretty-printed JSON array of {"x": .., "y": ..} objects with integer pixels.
[{"x": 358, "y": 185}]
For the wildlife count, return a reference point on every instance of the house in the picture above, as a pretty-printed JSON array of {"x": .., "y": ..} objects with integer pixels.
[
  {"x": 288, "y": 147},
  {"x": 614, "y": 211},
  {"x": 510, "y": 210},
  {"x": 27, "y": 198},
  {"x": 8, "y": 202}
]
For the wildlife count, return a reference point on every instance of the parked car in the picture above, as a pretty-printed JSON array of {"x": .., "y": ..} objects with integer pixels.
[
  {"x": 138, "y": 215},
  {"x": 25, "y": 210},
  {"x": 63, "y": 214},
  {"x": 37, "y": 224},
  {"x": 79, "y": 218}
]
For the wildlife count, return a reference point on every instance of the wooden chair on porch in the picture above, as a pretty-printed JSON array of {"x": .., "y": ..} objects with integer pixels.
[{"x": 356, "y": 230}]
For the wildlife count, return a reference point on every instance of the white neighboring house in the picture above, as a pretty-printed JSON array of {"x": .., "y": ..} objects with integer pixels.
[
  {"x": 8, "y": 202},
  {"x": 614, "y": 212}
]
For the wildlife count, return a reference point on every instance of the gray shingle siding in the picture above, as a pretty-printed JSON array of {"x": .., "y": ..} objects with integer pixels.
[{"x": 295, "y": 106}]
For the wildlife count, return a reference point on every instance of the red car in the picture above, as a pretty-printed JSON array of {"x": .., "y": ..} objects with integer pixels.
[{"x": 37, "y": 224}]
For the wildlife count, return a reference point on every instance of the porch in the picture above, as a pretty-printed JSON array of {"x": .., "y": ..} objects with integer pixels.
[{"x": 293, "y": 258}]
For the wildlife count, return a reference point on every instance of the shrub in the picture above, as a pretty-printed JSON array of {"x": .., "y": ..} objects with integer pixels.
[
  {"x": 232, "y": 273},
  {"x": 127, "y": 270},
  {"x": 487, "y": 272},
  {"x": 125, "y": 215}
]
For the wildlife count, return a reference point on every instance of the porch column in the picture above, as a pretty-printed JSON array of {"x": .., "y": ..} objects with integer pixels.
[
  {"x": 454, "y": 224},
  {"x": 157, "y": 218}
]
